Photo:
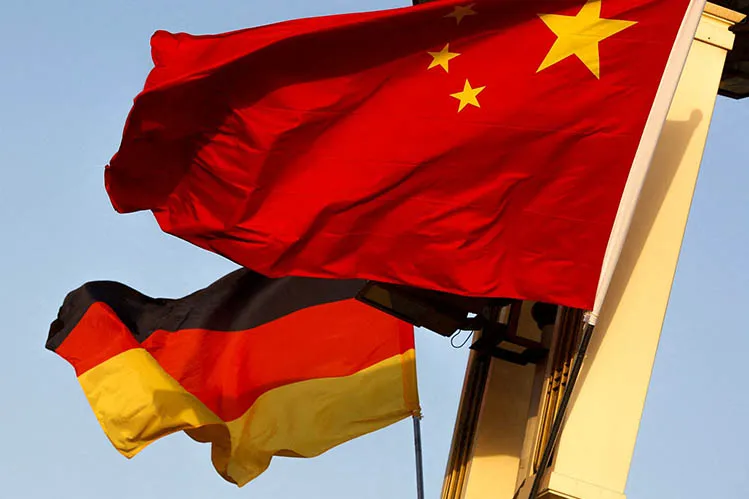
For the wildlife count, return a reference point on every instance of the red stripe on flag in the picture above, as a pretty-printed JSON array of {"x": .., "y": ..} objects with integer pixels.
[{"x": 228, "y": 371}]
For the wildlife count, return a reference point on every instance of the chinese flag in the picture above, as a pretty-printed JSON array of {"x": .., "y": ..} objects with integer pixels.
[{"x": 478, "y": 148}]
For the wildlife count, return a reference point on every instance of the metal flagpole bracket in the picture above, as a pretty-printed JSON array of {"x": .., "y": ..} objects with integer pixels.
[
  {"x": 501, "y": 341},
  {"x": 446, "y": 313}
]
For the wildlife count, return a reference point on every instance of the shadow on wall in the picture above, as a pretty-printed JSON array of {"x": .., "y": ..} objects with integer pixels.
[{"x": 675, "y": 138}]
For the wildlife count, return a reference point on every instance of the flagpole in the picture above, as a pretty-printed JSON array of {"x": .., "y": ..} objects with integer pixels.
[
  {"x": 624, "y": 216},
  {"x": 419, "y": 457}
]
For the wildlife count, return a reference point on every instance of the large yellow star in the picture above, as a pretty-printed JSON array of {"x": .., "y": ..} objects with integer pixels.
[
  {"x": 461, "y": 11},
  {"x": 442, "y": 58},
  {"x": 468, "y": 96},
  {"x": 580, "y": 35}
]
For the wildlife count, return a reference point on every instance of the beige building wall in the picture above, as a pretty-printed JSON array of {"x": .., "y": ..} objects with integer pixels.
[{"x": 503, "y": 423}]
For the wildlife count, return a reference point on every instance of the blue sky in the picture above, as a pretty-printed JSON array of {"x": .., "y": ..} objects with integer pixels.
[{"x": 69, "y": 72}]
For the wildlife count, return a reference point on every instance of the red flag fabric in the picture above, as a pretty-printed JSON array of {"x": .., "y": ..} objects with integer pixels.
[{"x": 475, "y": 148}]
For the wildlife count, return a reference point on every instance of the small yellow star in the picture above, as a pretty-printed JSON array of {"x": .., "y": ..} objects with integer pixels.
[
  {"x": 462, "y": 11},
  {"x": 442, "y": 58},
  {"x": 580, "y": 35},
  {"x": 468, "y": 96}
]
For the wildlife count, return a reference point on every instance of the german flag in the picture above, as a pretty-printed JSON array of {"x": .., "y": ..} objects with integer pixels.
[{"x": 257, "y": 367}]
